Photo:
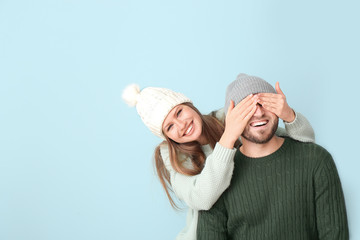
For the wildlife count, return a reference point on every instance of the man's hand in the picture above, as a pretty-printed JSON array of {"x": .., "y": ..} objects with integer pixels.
[{"x": 276, "y": 103}]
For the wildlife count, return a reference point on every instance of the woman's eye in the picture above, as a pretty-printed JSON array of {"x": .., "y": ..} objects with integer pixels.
[
  {"x": 178, "y": 113},
  {"x": 170, "y": 126}
]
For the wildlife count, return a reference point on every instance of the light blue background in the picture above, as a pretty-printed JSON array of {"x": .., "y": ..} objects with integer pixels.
[{"x": 76, "y": 162}]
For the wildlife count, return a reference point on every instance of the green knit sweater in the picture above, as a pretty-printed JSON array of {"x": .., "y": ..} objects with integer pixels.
[{"x": 294, "y": 193}]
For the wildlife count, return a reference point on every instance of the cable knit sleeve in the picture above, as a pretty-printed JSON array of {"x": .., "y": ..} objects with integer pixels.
[
  {"x": 201, "y": 191},
  {"x": 299, "y": 129},
  {"x": 212, "y": 224},
  {"x": 330, "y": 204}
]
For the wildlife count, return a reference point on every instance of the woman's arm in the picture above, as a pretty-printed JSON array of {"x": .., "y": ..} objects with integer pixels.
[
  {"x": 296, "y": 125},
  {"x": 201, "y": 191},
  {"x": 299, "y": 129}
]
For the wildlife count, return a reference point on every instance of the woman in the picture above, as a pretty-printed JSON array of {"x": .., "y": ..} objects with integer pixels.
[{"x": 196, "y": 159}]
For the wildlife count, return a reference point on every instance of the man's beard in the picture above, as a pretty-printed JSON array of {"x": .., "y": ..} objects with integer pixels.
[{"x": 262, "y": 138}]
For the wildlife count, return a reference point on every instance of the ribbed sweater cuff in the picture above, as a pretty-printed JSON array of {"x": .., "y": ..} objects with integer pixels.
[
  {"x": 295, "y": 123},
  {"x": 222, "y": 153},
  {"x": 300, "y": 129}
]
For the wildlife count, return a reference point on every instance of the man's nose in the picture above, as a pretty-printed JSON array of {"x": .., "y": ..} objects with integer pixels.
[{"x": 259, "y": 111}]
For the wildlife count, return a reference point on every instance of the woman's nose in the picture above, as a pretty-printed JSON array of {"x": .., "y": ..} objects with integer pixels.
[{"x": 181, "y": 124}]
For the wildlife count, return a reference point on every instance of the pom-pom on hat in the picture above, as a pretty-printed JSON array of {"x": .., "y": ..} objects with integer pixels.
[
  {"x": 153, "y": 104},
  {"x": 243, "y": 86}
]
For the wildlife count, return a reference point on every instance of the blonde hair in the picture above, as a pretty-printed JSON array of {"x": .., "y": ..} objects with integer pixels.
[{"x": 212, "y": 130}]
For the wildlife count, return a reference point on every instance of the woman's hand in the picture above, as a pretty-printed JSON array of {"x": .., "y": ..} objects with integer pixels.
[
  {"x": 237, "y": 118},
  {"x": 276, "y": 103}
]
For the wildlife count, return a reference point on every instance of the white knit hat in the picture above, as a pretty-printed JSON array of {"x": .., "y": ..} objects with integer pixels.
[{"x": 153, "y": 104}]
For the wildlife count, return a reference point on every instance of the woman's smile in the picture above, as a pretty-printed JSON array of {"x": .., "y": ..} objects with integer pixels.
[
  {"x": 182, "y": 124},
  {"x": 189, "y": 131}
]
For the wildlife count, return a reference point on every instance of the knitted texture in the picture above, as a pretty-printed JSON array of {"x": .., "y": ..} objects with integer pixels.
[
  {"x": 201, "y": 191},
  {"x": 294, "y": 193},
  {"x": 243, "y": 86},
  {"x": 153, "y": 105}
]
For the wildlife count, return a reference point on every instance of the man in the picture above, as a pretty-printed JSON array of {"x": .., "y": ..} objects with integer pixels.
[{"x": 281, "y": 188}]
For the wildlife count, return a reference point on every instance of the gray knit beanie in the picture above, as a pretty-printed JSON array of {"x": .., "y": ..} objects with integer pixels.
[{"x": 243, "y": 86}]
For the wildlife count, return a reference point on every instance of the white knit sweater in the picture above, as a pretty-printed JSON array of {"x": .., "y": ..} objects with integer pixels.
[{"x": 201, "y": 191}]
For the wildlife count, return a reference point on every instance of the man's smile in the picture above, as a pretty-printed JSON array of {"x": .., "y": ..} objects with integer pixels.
[{"x": 259, "y": 123}]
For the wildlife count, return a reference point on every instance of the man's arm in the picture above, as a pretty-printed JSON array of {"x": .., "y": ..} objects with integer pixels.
[
  {"x": 212, "y": 224},
  {"x": 330, "y": 204}
]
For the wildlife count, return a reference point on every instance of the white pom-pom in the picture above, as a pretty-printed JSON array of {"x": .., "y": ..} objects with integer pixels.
[{"x": 130, "y": 94}]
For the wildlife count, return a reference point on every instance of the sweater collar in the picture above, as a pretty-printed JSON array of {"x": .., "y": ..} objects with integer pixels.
[{"x": 273, "y": 155}]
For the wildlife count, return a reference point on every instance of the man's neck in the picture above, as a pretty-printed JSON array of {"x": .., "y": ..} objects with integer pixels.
[{"x": 256, "y": 150}]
